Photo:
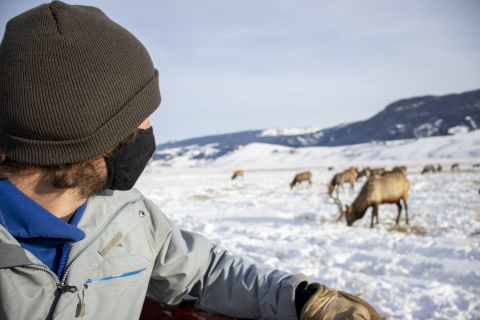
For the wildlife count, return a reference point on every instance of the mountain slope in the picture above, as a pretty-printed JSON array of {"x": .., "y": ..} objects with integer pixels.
[{"x": 404, "y": 119}]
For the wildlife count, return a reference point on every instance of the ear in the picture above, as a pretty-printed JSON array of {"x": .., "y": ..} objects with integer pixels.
[{"x": 100, "y": 165}]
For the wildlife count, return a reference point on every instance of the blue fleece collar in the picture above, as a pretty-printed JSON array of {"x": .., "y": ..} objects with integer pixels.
[{"x": 26, "y": 219}]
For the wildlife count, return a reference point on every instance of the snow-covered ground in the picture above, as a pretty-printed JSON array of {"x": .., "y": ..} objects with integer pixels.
[{"x": 428, "y": 270}]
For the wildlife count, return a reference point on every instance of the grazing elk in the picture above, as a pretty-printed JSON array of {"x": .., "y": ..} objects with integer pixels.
[
  {"x": 299, "y": 178},
  {"x": 429, "y": 168},
  {"x": 238, "y": 173},
  {"x": 363, "y": 173},
  {"x": 402, "y": 170},
  {"x": 439, "y": 167},
  {"x": 390, "y": 188},
  {"x": 377, "y": 172},
  {"x": 339, "y": 179},
  {"x": 455, "y": 166}
]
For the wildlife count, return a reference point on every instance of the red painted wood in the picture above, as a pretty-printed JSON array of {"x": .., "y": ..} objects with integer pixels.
[{"x": 153, "y": 310}]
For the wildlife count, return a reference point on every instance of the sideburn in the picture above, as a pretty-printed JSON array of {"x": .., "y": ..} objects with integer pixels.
[{"x": 83, "y": 177}]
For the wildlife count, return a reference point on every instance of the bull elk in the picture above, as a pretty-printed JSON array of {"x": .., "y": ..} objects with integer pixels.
[
  {"x": 429, "y": 168},
  {"x": 299, "y": 178},
  {"x": 390, "y": 188},
  {"x": 238, "y": 173},
  {"x": 339, "y": 179}
]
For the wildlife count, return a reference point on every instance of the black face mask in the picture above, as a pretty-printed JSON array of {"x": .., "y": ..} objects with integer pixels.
[{"x": 127, "y": 162}]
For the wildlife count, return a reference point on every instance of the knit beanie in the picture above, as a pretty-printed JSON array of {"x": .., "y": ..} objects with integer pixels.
[{"x": 73, "y": 84}]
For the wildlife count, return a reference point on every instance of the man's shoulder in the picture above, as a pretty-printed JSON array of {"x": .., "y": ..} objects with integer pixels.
[
  {"x": 116, "y": 196},
  {"x": 112, "y": 200}
]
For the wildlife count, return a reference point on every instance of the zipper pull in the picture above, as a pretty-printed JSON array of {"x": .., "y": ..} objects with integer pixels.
[
  {"x": 63, "y": 287},
  {"x": 82, "y": 304}
]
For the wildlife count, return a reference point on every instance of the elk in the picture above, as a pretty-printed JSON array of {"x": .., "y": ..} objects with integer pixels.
[
  {"x": 299, "y": 178},
  {"x": 377, "y": 172},
  {"x": 454, "y": 166},
  {"x": 439, "y": 167},
  {"x": 429, "y": 168},
  {"x": 390, "y": 188},
  {"x": 402, "y": 170},
  {"x": 238, "y": 173},
  {"x": 339, "y": 179},
  {"x": 363, "y": 173},
  {"x": 330, "y": 168}
]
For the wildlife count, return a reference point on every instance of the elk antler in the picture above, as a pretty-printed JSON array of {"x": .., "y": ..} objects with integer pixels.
[{"x": 339, "y": 205}]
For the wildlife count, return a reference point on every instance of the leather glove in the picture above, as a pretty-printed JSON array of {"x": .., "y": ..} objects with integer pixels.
[{"x": 330, "y": 304}]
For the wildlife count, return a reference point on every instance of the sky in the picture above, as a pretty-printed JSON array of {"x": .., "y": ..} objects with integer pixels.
[{"x": 230, "y": 66}]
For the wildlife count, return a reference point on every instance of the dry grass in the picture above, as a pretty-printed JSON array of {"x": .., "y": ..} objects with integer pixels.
[
  {"x": 202, "y": 197},
  {"x": 417, "y": 230}
]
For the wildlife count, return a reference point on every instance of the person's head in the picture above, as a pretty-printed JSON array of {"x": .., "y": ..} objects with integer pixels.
[{"x": 74, "y": 88}]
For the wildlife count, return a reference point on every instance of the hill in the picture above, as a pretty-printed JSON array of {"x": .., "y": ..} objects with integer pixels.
[{"x": 417, "y": 117}]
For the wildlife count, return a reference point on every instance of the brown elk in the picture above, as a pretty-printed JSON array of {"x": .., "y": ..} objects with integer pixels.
[
  {"x": 377, "y": 172},
  {"x": 330, "y": 168},
  {"x": 238, "y": 173},
  {"x": 299, "y": 178},
  {"x": 390, "y": 188},
  {"x": 363, "y": 173},
  {"x": 455, "y": 166},
  {"x": 439, "y": 167},
  {"x": 429, "y": 168},
  {"x": 339, "y": 179},
  {"x": 402, "y": 170}
]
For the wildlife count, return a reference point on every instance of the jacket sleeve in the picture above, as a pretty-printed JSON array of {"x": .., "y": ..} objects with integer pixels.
[{"x": 188, "y": 263}]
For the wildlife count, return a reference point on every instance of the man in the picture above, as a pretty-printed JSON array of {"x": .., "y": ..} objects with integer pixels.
[{"x": 75, "y": 239}]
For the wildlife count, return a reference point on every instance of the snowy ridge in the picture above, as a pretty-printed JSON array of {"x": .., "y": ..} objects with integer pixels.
[
  {"x": 444, "y": 148},
  {"x": 405, "y": 119},
  {"x": 274, "y": 132}
]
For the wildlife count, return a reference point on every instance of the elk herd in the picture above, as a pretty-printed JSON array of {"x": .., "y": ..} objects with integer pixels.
[
  {"x": 438, "y": 168},
  {"x": 381, "y": 186}
]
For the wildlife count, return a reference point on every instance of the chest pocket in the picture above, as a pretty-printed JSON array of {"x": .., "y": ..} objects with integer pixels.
[
  {"x": 128, "y": 274},
  {"x": 118, "y": 295},
  {"x": 117, "y": 288}
]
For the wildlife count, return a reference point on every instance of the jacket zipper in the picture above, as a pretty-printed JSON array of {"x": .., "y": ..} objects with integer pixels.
[
  {"x": 87, "y": 245},
  {"x": 60, "y": 285}
]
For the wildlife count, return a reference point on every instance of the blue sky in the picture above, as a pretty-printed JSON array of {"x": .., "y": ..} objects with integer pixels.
[{"x": 228, "y": 66}]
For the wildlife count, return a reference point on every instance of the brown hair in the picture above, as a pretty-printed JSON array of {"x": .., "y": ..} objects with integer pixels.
[{"x": 82, "y": 175}]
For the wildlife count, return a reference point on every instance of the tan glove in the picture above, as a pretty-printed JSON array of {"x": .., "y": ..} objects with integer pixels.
[{"x": 330, "y": 304}]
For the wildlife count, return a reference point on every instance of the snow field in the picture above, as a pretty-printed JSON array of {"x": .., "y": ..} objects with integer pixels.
[{"x": 428, "y": 270}]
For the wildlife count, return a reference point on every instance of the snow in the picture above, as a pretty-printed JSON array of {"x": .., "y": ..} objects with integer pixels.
[
  {"x": 427, "y": 129},
  {"x": 460, "y": 129},
  {"x": 427, "y": 270},
  {"x": 273, "y": 132}
]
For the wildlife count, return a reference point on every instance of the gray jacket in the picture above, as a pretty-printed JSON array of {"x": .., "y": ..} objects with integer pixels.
[{"x": 132, "y": 249}]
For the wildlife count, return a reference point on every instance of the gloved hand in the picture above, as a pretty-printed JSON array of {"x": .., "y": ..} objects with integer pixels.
[{"x": 330, "y": 304}]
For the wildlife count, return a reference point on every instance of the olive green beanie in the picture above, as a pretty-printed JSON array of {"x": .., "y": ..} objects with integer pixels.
[{"x": 73, "y": 84}]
